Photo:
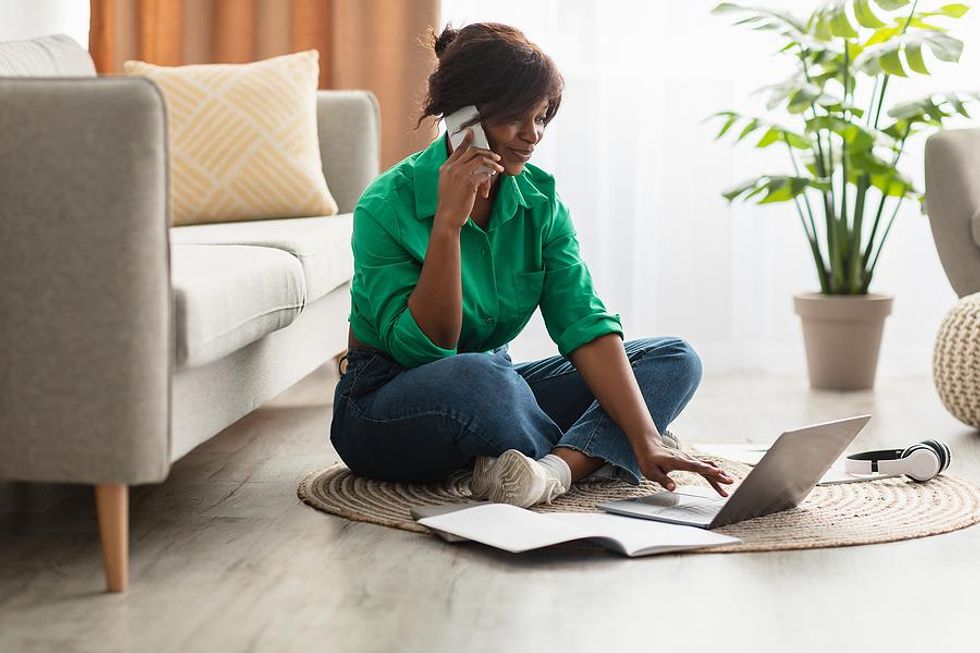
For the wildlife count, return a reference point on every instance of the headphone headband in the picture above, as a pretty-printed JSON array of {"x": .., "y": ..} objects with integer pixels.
[
  {"x": 873, "y": 458},
  {"x": 918, "y": 467}
]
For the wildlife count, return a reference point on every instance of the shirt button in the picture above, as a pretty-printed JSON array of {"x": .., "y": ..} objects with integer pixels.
[{"x": 489, "y": 320}]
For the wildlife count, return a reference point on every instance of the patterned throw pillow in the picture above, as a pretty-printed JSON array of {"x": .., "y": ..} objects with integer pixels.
[{"x": 243, "y": 139}]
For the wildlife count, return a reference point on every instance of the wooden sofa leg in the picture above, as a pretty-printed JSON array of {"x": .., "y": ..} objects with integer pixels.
[{"x": 112, "y": 506}]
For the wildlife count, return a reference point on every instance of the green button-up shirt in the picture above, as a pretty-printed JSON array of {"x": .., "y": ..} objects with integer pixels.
[{"x": 528, "y": 256}]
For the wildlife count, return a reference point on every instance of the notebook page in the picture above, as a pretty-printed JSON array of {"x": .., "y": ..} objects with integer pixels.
[
  {"x": 506, "y": 527},
  {"x": 642, "y": 536}
]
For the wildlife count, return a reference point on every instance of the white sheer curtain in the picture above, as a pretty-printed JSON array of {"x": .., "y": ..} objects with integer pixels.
[
  {"x": 643, "y": 176},
  {"x": 27, "y": 19}
]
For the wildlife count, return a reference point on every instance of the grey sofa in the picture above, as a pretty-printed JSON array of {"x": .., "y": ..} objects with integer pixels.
[
  {"x": 125, "y": 343},
  {"x": 952, "y": 167}
]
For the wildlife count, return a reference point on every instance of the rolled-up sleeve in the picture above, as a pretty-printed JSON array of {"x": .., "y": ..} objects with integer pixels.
[
  {"x": 386, "y": 274},
  {"x": 573, "y": 314}
]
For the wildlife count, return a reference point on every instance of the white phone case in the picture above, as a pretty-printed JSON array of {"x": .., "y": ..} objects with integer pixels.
[{"x": 456, "y": 119}]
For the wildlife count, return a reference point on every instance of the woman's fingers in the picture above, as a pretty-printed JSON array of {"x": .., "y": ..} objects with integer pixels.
[
  {"x": 461, "y": 148},
  {"x": 483, "y": 168},
  {"x": 478, "y": 156},
  {"x": 489, "y": 164},
  {"x": 664, "y": 461},
  {"x": 720, "y": 490},
  {"x": 658, "y": 475},
  {"x": 689, "y": 464},
  {"x": 711, "y": 472}
]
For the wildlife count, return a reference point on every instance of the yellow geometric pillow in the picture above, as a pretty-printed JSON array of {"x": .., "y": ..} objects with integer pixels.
[{"x": 243, "y": 139}]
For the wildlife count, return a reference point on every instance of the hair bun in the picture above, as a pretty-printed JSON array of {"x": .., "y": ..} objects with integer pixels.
[{"x": 445, "y": 39}]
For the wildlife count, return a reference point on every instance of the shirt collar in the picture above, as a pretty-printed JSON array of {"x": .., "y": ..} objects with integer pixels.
[{"x": 514, "y": 191}]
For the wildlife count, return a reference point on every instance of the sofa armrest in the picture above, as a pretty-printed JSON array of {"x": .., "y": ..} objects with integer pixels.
[
  {"x": 85, "y": 334},
  {"x": 349, "y": 124},
  {"x": 952, "y": 167}
]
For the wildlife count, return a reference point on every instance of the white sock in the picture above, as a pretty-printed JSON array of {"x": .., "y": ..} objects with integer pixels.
[{"x": 560, "y": 468}]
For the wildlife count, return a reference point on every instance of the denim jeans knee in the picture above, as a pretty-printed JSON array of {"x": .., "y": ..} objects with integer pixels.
[
  {"x": 668, "y": 371},
  {"x": 691, "y": 363}
]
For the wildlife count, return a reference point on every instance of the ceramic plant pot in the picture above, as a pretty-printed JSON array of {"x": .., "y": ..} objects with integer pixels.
[{"x": 842, "y": 334}]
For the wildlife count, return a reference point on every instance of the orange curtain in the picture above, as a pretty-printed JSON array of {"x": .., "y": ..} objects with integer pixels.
[{"x": 363, "y": 44}]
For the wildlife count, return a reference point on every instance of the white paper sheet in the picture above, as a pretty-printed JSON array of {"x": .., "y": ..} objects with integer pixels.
[
  {"x": 643, "y": 536},
  {"x": 515, "y": 529}
]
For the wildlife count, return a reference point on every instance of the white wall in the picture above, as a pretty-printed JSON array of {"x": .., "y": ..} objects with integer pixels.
[
  {"x": 24, "y": 19},
  {"x": 643, "y": 178}
]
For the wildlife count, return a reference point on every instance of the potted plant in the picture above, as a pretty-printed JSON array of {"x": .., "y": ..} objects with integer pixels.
[{"x": 843, "y": 150}]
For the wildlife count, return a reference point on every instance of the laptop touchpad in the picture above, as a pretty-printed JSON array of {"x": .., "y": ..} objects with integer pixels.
[{"x": 678, "y": 500}]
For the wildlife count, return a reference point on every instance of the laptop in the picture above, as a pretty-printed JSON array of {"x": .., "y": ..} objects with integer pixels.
[{"x": 781, "y": 480}]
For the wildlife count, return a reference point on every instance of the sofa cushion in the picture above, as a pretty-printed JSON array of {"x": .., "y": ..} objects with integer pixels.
[
  {"x": 322, "y": 245},
  {"x": 243, "y": 139},
  {"x": 57, "y": 55},
  {"x": 229, "y": 296}
]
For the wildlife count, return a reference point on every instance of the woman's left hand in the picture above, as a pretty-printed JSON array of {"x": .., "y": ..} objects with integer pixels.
[{"x": 656, "y": 461}]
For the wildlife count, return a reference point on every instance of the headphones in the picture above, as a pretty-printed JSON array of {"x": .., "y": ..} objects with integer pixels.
[{"x": 920, "y": 462}]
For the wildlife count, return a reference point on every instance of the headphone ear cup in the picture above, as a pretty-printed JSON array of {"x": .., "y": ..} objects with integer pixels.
[
  {"x": 948, "y": 455},
  {"x": 922, "y": 461},
  {"x": 941, "y": 450},
  {"x": 908, "y": 451}
]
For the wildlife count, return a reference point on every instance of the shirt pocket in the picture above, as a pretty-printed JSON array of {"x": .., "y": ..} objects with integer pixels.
[{"x": 528, "y": 286}]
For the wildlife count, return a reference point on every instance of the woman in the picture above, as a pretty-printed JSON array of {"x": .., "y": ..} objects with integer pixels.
[{"x": 453, "y": 252}]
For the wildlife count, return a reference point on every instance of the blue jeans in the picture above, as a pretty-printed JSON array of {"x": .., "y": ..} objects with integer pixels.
[{"x": 394, "y": 423}]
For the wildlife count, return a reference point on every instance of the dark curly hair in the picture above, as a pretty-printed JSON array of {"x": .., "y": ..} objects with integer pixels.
[{"x": 493, "y": 66}]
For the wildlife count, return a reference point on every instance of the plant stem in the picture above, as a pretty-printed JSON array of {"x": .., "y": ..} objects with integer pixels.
[
  {"x": 881, "y": 98},
  {"x": 871, "y": 105},
  {"x": 884, "y": 84},
  {"x": 806, "y": 197},
  {"x": 857, "y": 260},
  {"x": 843, "y": 186},
  {"x": 908, "y": 20},
  {"x": 843, "y": 144},
  {"x": 833, "y": 250},
  {"x": 884, "y": 196},
  {"x": 811, "y": 231},
  {"x": 833, "y": 223},
  {"x": 814, "y": 248},
  {"x": 874, "y": 229},
  {"x": 869, "y": 270},
  {"x": 881, "y": 244}
]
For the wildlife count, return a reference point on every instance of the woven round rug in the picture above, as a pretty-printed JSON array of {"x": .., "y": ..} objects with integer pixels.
[{"x": 847, "y": 514}]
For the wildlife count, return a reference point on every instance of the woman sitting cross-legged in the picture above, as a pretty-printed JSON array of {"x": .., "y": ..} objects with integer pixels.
[{"x": 454, "y": 249}]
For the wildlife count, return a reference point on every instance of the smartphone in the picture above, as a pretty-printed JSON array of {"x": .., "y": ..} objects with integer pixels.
[{"x": 454, "y": 122}]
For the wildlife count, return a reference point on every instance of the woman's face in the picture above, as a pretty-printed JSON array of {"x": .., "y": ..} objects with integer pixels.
[{"x": 515, "y": 141}]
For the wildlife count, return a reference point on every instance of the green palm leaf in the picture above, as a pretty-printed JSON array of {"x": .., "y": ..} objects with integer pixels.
[
  {"x": 762, "y": 18},
  {"x": 885, "y": 57},
  {"x": 773, "y": 132},
  {"x": 773, "y": 188}
]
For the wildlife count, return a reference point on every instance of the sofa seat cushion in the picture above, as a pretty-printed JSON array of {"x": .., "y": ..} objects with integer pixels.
[
  {"x": 321, "y": 245},
  {"x": 229, "y": 296}
]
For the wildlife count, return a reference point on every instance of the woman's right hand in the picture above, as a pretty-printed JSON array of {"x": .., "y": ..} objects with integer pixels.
[
  {"x": 466, "y": 171},
  {"x": 656, "y": 460}
]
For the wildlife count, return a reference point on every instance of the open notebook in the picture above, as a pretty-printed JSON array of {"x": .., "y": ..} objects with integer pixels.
[{"x": 516, "y": 529}]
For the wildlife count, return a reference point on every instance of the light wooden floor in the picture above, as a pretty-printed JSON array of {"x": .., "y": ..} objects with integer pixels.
[{"x": 226, "y": 558}]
